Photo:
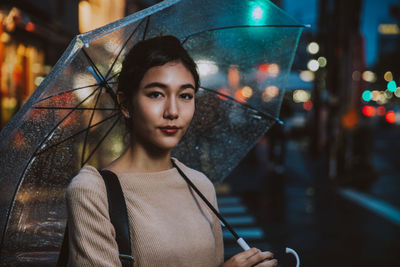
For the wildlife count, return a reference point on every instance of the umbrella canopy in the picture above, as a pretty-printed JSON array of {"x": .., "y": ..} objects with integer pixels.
[{"x": 244, "y": 51}]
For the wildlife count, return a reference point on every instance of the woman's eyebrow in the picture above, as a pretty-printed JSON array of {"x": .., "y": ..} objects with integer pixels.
[
  {"x": 186, "y": 86},
  {"x": 164, "y": 86},
  {"x": 155, "y": 84}
]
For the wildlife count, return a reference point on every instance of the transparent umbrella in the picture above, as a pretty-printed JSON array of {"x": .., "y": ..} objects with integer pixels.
[{"x": 244, "y": 51}]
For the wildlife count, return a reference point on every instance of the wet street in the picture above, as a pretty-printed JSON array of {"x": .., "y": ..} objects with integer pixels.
[{"x": 299, "y": 207}]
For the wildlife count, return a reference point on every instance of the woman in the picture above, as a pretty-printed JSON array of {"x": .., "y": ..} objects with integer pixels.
[{"x": 169, "y": 224}]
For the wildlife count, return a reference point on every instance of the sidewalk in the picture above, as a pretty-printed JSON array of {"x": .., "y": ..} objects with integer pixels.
[{"x": 300, "y": 208}]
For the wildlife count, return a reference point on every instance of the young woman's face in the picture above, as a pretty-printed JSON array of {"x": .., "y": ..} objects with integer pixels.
[{"x": 163, "y": 106}]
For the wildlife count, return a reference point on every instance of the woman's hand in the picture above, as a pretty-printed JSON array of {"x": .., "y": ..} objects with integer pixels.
[{"x": 252, "y": 257}]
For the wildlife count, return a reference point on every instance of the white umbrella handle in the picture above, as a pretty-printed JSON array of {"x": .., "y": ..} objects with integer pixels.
[
  {"x": 242, "y": 243},
  {"x": 294, "y": 253}
]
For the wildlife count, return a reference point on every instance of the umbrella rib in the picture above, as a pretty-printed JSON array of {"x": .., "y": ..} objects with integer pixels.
[
  {"x": 123, "y": 46},
  {"x": 75, "y": 134},
  {"x": 98, "y": 73},
  {"x": 261, "y": 113},
  {"x": 101, "y": 141},
  {"x": 241, "y": 26},
  {"x": 146, "y": 28},
  {"x": 65, "y": 92},
  {"x": 90, "y": 122},
  {"x": 75, "y": 108}
]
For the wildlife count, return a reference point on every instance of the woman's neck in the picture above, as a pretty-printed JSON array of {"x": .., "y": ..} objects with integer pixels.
[{"x": 138, "y": 159}]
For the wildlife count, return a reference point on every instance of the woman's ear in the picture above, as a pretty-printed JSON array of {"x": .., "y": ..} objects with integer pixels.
[{"x": 121, "y": 98}]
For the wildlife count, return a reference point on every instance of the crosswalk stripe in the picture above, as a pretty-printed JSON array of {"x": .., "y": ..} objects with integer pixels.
[
  {"x": 253, "y": 233},
  {"x": 233, "y": 210},
  {"x": 240, "y": 220}
]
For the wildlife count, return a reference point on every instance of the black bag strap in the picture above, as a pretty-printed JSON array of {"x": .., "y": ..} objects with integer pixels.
[{"x": 119, "y": 218}]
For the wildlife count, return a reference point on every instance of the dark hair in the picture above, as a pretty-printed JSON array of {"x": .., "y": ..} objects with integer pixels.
[{"x": 150, "y": 53}]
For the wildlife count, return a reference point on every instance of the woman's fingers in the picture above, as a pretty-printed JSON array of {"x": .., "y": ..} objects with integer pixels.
[
  {"x": 252, "y": 257},
  {"x": 260, "y": 257},
  {"x": 267, "y": 263}
]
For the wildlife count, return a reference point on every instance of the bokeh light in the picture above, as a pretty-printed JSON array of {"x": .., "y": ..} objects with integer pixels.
[
  {"x": 307, "y": 76},
  {"x": 206, "y": 67},
  {"x": 367, "y": 95},
  {"x": 269, "y": 93},
  {"x": 300, "y": 96},
  {"x": 308, "y": 105},
  {"x": 388, "y": 76},
  {"x": 380, "y": 111},
  {"x": 391, "y": 86},
  {"x": 368, "y": 111},
  {"x": 369, "y": 76},
  {"x": 273, "y": 70},
  {"x": 356, "y": 75},
  {"x": 397, "y": 92},
  {"x": 390, "y": 116},
  {"x": 313, "y": 65},
  {"x": 313, "y": 48},
  {"x": 322, "y": 62}
]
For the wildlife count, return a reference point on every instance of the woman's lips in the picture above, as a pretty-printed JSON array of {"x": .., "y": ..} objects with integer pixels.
[{"x": 170, "y": 130}]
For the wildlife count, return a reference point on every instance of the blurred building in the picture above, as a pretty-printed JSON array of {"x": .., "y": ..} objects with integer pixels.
[{"x": 32, "y": 36}]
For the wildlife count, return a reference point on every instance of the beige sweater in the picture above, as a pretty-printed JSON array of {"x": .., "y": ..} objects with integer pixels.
[{"x": 169, "y": 224}]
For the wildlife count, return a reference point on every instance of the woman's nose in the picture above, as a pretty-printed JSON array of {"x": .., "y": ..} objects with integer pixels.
[{"x": 171, "y": 109}]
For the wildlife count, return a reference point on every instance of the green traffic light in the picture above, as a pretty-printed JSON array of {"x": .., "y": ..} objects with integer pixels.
[
  {"x": 367, "y": 95},
  {"x": 257, "y": 13},
  {"x": 391, "y": 86}
]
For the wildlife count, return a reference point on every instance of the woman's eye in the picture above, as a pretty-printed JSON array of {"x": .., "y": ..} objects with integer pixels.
[
  {"x": 155, "y": 95},
  {"x": 187, "y": 96}
]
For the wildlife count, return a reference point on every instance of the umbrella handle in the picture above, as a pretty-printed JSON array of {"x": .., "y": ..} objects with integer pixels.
[
  {"x": 243, "y": 244},
  {"x": 294, "y": 253}
]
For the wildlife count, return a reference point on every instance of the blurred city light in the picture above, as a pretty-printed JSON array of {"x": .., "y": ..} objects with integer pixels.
[
  {"x": 38, "y": 80},
  {"x": 356, "y": 75},
  {"x": 391, "y": 86},
  {"x": 387, "y": 29},
  {"x": 388, "y": 76},
  {"x": 300, "y": 96},
  {"x": 269, "y": 93},
  {"x": 313, "y": 48},
  {"x": 388, "y": 94},
  {"x": 257, "y": 13},
  {"x": 247, "y": 92},
  {"x": 233, "y": 77},
  {"x": 206, "y": 67},
  {"x": 273, "y": 70},
  {"x": 308, "y": 105},
  {"x": 368, "y": 111},
  {"x": 223, "y": 91},
  {"x": 369, "y": 76},
  {"x": 322, "y": 61},
  {"x": 380, "y": 111},
  {"x": 4, "y": 37},
  {"x": 307, "y": 76},
  {"x": 350, "y": 119},
  {"x": 313, "y": 65},
  {"x": 243, "y": 94},
  {"x": 390, "y": 116},
  {"x": 30, "y": 27},
  {"x": 367, "y": 95},
  {"x": 397, "y": 92}
]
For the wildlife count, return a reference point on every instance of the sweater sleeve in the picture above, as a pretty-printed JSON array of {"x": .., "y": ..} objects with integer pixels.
[{"x": 91, "y": 234}]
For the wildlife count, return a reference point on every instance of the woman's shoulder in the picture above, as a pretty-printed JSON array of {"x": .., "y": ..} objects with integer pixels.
[
  {"x": 87, "y": 178},
  {"x": 197, "y": 177}
]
